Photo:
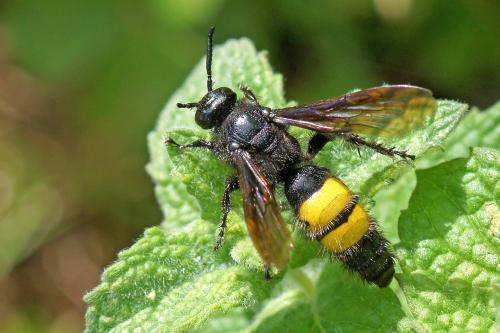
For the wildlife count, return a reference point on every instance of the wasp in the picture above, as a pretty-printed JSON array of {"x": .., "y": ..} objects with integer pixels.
[{"x": 254, "y": 139}]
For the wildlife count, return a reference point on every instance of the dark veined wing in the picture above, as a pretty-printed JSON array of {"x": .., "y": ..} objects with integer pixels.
[
  {"x": 387, "y": 111},
  {"x": 266, "y": 227}
]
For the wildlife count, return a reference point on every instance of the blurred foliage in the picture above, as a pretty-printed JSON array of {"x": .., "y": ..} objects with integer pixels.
[{"x": 81, "y": 83}]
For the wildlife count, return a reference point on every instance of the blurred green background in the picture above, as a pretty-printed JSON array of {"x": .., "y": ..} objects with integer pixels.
[{"x": 82, "y": 82}]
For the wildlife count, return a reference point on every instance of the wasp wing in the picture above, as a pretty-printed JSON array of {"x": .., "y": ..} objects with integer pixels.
[
  {"x": 266, "y": 227},
  {"x": 387, "y": 111}
]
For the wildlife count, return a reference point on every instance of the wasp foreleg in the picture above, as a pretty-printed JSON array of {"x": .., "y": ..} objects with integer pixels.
[
  {"x": 231, "y": 186},
  {"x": 249, "y": 94},
  {"x": 194, "y": 144}
]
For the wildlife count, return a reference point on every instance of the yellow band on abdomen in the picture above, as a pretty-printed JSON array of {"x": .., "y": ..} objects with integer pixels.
[
  {"x": 349, "y": 233},
  {"x": 319, "y": 210},
  {"x": 324, "y": 205}
]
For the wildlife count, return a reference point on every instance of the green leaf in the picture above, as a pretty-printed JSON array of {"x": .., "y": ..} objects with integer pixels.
[
  {"x": 169, "y": 282},
  {"x": 234, "y": 63},
  {"x": 320, "y": 297},
  {"x": 449, "y": 245},
  {"x": 477, "y": 129},
  {"x": 368, "y": 171},
  {"x": 170, "y": 279},
  {"x": 390, "y": 201}
]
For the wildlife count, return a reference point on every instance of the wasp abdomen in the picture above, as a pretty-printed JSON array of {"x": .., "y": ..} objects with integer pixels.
[{"x": 330, "y": 213}]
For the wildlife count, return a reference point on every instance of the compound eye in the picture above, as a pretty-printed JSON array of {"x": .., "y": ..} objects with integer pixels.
[
  {"x": 214, "y": 107},
  {"x": 204, "y": 117}
]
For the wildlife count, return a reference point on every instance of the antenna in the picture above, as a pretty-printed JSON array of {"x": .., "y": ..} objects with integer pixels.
[
  {"x": 209, "y": 58},
  {"x": 187, "y": 105},
  {"x": 209, "y": 70}
]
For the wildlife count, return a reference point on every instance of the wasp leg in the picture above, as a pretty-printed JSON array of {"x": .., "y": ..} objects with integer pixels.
[
  {"x": 231, "y": 186},
  {"x": 316, "y": 143},
  {"x": 195, "y": 144},
  {"x": 267, "y": 272},
  {"x": 378, "y": 147},
  {"x": 248, "y": 94}
]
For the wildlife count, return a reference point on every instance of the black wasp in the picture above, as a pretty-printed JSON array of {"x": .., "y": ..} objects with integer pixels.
[{"x": 254, "y": 139}]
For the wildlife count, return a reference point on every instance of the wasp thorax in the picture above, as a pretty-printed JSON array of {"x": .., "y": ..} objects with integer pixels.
[{"x": 214, "y": 107}]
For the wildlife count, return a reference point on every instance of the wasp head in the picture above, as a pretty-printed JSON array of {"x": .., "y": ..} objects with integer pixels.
[{"x": 214, "y": 107}]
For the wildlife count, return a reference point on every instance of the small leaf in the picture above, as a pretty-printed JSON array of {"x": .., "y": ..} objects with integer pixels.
[{"x": 449, "y": 247}]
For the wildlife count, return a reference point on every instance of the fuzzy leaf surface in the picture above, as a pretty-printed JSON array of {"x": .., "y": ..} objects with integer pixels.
[
  {"x": 449, "y": 245},
  {"x": 169, "y": 281}
]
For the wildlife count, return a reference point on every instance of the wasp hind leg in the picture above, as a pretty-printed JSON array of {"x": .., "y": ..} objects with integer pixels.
[
  {"x": 319, "y": 140},
  {"x": 357, "y": 141},
  {"x": 231, "y": 186},
  {"x": 316, "y": 143}
]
